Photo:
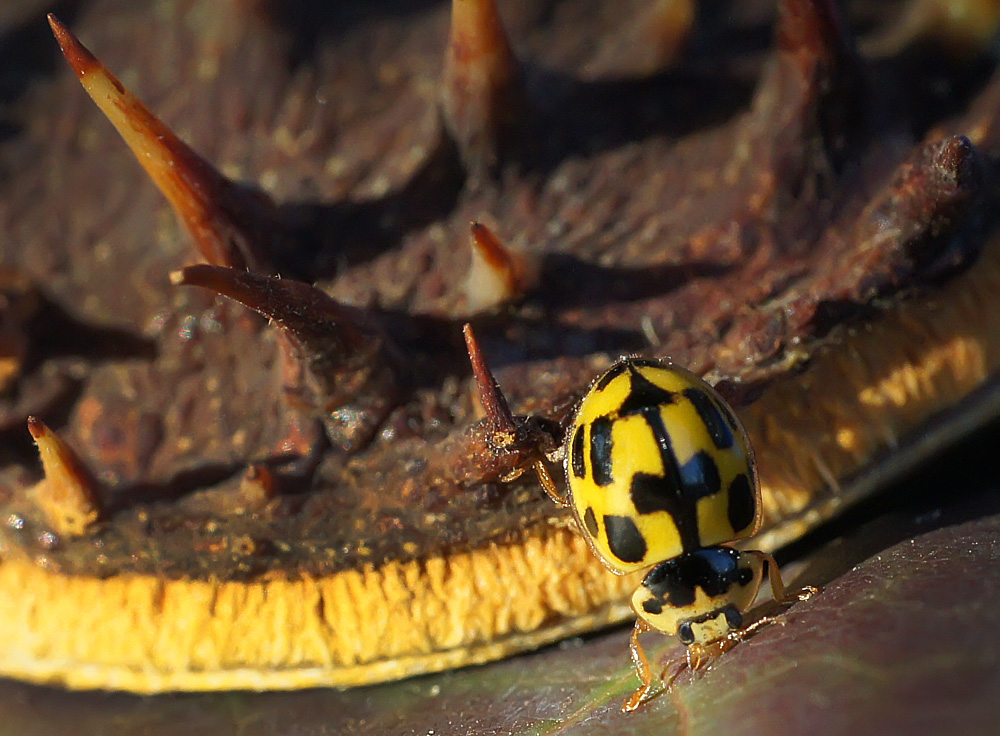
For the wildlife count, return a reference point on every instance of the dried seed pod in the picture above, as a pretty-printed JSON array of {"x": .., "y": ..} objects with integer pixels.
[{"x": 648, "y": 229}]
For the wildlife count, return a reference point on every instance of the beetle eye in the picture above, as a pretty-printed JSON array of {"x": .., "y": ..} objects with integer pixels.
[{"x": 685, "y": 633}]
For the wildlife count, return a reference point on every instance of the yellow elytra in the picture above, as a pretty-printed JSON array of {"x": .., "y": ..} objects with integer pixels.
[
  {"x": 661, "y": 473},
  {"x": 657, "y": 465}
]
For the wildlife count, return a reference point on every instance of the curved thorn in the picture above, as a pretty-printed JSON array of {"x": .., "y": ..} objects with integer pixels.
[
  {"x": 307, "y": 314},
  {"x": 481, "y": 94},
  {"x": 812, "y": 30},
  {"x": 964, "y": 28},
  {"x": 19, "y": 301},
  {"x": 665, "y": 29},
  {"x": 982, "y": 121},
  {"x": 258, "y": 486},
  {"x": 923, "y": 207},
  {"x": 68, "y": 494},
  {"x": 653, "y": 41},
  {"x": 814, "y": 85},
  {"x": 227, "y": 222},
  {"x": 338, "y": 360},
  {"x": 497, "y": 274},
  {"x": 13, "y": 350},
  {"x": 498, "y": 413}
]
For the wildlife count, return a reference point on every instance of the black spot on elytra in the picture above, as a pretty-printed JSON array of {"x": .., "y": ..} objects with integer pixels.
[
  {"x": 576, "y": 454},
  {"x": 714, "y": 569},
  {"x": 666, "y": 492},
  {"x": 601, "y": 451},
  {"x": 590, "y": 521},
  {"x": 624, "y": 538},
  {"x": 612, "y": 373},
  {"x": 652, "y": 493},
  {"x": 742, "y": 507},
  {"x": 700, "y": 476},
  {"x": 711, "y": 416},
  {"x": 642, "y": 395},
  {"x": 653, "y": 606}
]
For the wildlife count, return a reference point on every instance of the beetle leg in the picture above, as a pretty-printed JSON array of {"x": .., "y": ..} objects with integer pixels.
[
  {"x": 696, "y": 656},
  {"x": 668, "y": 682},
  {"x": 737, "y": 636},
  {"x": 641, "y": 663},
  {"x": 545, "y": 478},
  {"x": 778, "y": 587}
]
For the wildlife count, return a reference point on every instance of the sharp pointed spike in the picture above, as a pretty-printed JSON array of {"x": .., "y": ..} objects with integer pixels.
[
  {"x": 924, "y": 205},
  {"x": 258, "y": 486},
  {"x": 494, "y": 402},
  {"x": 13, "y": 349},
  {"x": 19, "y": 301},
  {"x": 497, "y": 273},
  {"x": 982, "y": 122},
  {"x": 338, "y": 360},
  {"x": 229, "y": 223},
  {"x": 813, "y": 86},
  {"x": 811, "y": 29},
  {"x": 963, "y": 28},
  {"x": 68, "y": 494},
  {"x": 481, "y": 93},
  {"x": 306, "y": 313},
  {"x": 664, "y": 31},
  {"x": 652, "y": 42},
  {"x": 79, "y": 57}
]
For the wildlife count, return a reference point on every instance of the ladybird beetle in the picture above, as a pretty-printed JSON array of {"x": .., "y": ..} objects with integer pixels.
[{"x": 661, "y": 474}]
